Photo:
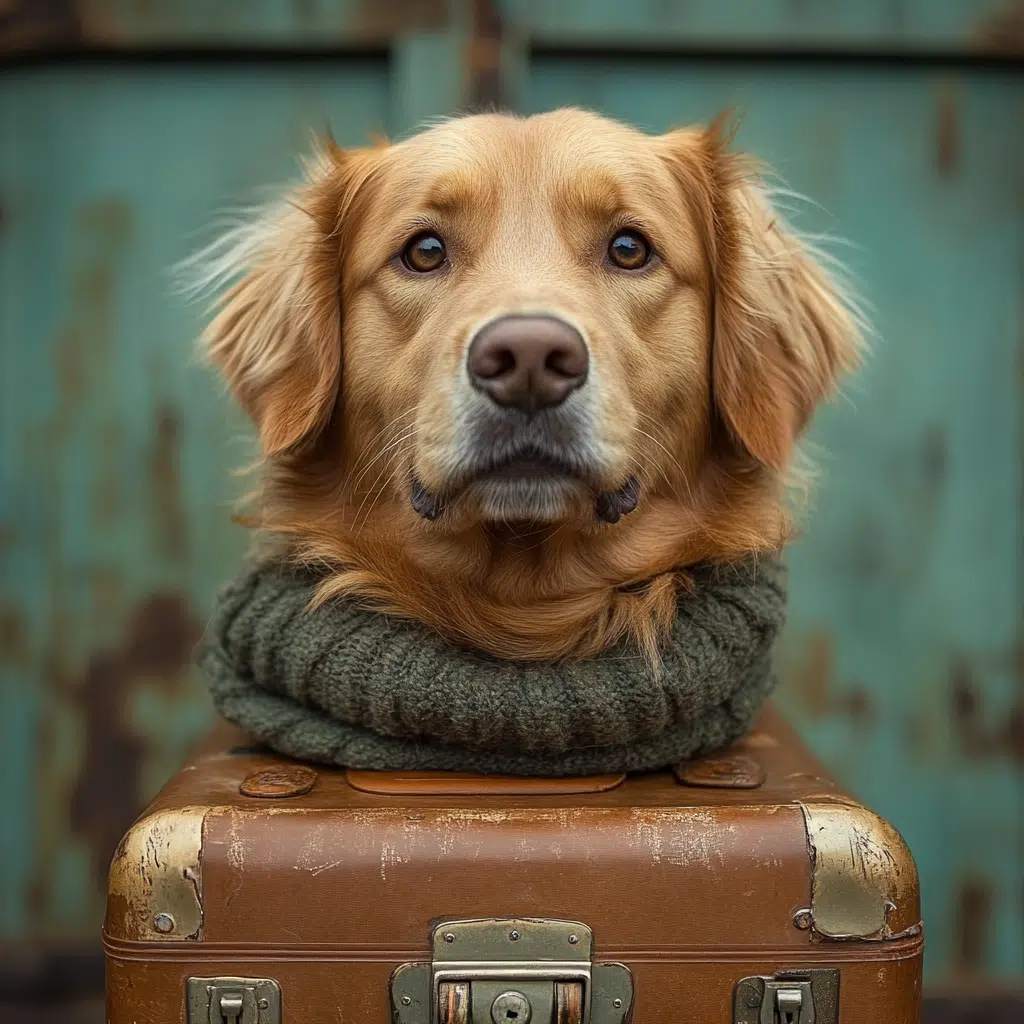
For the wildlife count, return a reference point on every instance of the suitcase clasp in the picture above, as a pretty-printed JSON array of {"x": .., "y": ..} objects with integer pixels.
[
  {"x": 233, "y": 1001},
  {"x": 511, "y": 971},
  {"x": 788, "y": 997}
]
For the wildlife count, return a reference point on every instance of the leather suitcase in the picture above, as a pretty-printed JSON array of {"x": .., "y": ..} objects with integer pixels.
[{"x": 745, "y": 888}]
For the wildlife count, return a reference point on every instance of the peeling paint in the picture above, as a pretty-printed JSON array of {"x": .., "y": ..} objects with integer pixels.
[{"x": 389, "y": 858}]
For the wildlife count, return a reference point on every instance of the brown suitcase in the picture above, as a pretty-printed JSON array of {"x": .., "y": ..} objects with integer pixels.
[{"x": 746, "y": 888}]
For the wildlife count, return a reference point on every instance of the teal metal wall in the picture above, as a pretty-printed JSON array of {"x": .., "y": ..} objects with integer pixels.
[{"x": 124, "y": 128}]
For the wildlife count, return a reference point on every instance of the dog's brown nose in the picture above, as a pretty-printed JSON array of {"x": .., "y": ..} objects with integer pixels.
[{"x": 528, "y": 362}]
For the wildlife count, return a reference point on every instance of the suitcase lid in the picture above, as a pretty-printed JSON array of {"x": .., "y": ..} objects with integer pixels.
[{"x": 757, "y": 849}]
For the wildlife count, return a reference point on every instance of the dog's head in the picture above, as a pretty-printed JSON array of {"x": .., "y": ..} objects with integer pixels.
[
  {"x": 541, "y": 320},
  {"x": 534, "y": 318}
]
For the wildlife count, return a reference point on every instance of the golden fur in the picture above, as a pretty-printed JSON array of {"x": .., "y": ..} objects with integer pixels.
[{"x": 709, "y": 367}]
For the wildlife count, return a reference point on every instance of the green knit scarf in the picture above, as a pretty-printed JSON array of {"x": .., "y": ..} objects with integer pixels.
[{"x": 348, "y": 686}]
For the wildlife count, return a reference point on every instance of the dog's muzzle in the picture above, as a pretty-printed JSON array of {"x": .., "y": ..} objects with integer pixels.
[{"x": 609, "y": 506}]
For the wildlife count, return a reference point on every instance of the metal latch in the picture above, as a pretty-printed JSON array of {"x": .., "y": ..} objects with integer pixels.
[
  {"x": 511, "y": 971},
  {"x": 233, "y": 1001},
  {"x": 788, "y": 997}
]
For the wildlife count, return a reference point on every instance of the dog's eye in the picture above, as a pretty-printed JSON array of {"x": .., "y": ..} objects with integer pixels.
[
  {"x": 424, "y": 253},
  {"x": 629, "y": 250}
]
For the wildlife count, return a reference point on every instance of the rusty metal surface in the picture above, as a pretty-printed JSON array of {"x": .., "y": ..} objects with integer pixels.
[
  {"x": 118, "y": 451},
  {"x": 69, "y": 26},
  {"x": 946, "y": 27},
  {"x": 902, "y": 660},
  {"x": 486, "y": 88},
  {"x": 897, "y": 27}
]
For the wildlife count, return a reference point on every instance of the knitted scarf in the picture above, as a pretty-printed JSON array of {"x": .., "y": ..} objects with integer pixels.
[{"x": 344, "y": 685}]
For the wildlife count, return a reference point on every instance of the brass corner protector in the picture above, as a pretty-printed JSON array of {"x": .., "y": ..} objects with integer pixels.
[
  {"x": 864, "y": 881},
  {"x": 155, "y": 878}
]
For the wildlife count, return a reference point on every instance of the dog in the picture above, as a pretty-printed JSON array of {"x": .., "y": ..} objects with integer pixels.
[{"x": 512, "y": 376}]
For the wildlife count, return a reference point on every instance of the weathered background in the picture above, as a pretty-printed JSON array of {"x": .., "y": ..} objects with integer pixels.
[{"x": 126, "y": 125}]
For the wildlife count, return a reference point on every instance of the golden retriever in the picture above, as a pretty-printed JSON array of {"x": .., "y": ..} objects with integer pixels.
[{"x": 512, "y": 376}]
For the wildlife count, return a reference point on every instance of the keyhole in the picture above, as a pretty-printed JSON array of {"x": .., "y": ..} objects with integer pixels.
[
  {"x": 790, "y": 1018},
  {"x": 511, "y": 1006}
]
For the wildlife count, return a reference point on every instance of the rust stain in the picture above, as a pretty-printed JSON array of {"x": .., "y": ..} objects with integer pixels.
[
  {"x": 105, "y": 490},
  {"x": 165, "y": 481},
  {"x": 382, "y": 20},
  {"x": 1002, "y": 34},
  {"x": 485, "y": 79},
  {"x": 812, "y": 683},
  {"x": 814, "y": 675},
  {"x": 98, "y": 235},
  {"x": 1015, "y": 733},
  {"x": 162, "y": 636},
  {"x": 947, "y": 135},
  {"x": 974, "y": 913},
  {"x": 979, "y": 740},
  {"x": 934, "y": 458},
  {"x": 69, "y": 363},
  {"x": 102, "y": 231},
  {"x": 106, "y": 223},
  {"x": 28, "y": 26},
  {"x": 13, "y": 635},
  {"x": 965, "y": 698},
  {"x": 158, "y": 645},
  {"x": 857, "y": 703},
  {"x": 105, "y": 591}
]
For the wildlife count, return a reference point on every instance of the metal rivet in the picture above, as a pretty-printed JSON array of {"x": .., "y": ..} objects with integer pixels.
[
  {"x": 802, "y": 919},
  {"x": 573, "y": 939},
  {"x": 617, "y": 1003},
  {"x": 514, "y": 935},
  {"x": 163, "y": 923},
  {"x": 264, "y": 1004},
  {"x": 753, "y": 999},
  {"x": 449, "y": 937},
  {"x": 406, "y": 1000}
]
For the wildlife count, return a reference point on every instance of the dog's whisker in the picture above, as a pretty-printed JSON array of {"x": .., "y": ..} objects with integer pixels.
[
  {"x": 395, "y": 449},
  {"x": 673, "y": 459},
  {"x": 409, "y": 431},
  {"x": 361, "y": 466},
  {"x": 389, "y": 454},
  {"x": 392, "y": 478}
]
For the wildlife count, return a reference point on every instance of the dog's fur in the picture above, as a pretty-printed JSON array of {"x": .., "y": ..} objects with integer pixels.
[{"x": 705, "y": 367}]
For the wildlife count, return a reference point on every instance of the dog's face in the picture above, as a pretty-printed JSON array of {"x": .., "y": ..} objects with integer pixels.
[
  {"x": 555, "y": 320},
  {"x": 520, "y": 317},
  {"x": 530, "y": 298}
]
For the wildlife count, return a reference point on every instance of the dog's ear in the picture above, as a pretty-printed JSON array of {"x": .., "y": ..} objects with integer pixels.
[
  {"x": 784, "y": 330},
  {"x": 276, "y": 335}
]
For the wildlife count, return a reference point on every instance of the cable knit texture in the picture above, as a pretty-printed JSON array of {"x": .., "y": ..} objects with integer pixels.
[{"x": 344, "y": 685}]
